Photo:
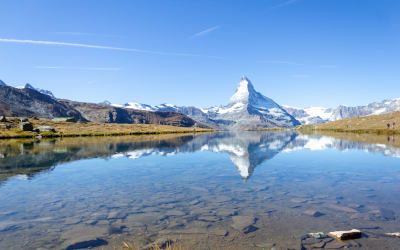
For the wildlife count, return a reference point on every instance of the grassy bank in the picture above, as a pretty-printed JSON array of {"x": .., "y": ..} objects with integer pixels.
[
  {"x": 72, "y": 129},
  {"x": 386, "y": 124}
]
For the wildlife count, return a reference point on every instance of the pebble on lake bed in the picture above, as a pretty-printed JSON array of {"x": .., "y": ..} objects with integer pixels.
[
  {"x": 313, "y": 212},
  {"x": 245, "y": 224},
  {"x": 346, "y": 235},
  {"x": 318, "y": 235},
  {"x": 396, "y": 234}
]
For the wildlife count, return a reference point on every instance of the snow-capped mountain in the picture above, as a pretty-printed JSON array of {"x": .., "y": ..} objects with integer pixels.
[
  {"x": 250, "y": 109},
  {"x": 314, "y": 115},
  {"x": 43, "y": 91},
  {"x": 310, "y": 115},
  {"x": 135, "y": 105},
  {"x": 247, "y": 108}
]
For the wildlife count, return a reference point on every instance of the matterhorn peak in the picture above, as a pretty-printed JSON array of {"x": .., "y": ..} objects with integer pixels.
[{"x": 243, "y": 92}]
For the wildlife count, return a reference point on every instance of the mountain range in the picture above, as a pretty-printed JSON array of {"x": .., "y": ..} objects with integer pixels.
[
  {"x": 246, "y": 109},
  {"x": 28, "y": 101},
  {"x": 250, "y": 109}
]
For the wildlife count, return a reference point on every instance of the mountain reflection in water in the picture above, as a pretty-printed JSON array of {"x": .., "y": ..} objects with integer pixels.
[{"x": 246, "y": 150}]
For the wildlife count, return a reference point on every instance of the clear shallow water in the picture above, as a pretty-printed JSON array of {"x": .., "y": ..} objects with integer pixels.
[{"x": 250, "y": 190}]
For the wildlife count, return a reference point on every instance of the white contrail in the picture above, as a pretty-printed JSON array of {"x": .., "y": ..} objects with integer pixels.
[
  {"x": 206, "y": 31},
  {"x": 79, "y": 68},
  {"x": 92, "y": 46}
]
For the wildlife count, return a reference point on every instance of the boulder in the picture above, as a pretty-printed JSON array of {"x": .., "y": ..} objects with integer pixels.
[
  {"x": 46, "y": 129},
  {"x": 64, "y": 119},
  {"x": 346, "y": 235},
  {"x": 396, "y": 234},
  {"x": 313, "y": 212},
  {"x": 87, "y": 244},
  {"x": 245, "y": 224},
  {"x": 23, "y": 119},
  {"x": 3, "y": 119},
  {"x": 160, "y": 243},
  {"x": 26, "y": 126},
  {"x": 5, "y": 126},
  {"x": 318, "y": 235}
]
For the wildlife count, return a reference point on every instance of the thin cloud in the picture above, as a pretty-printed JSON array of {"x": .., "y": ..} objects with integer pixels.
[
  {"x": 102, "y": 47},
  {"x": 206, "y": 31},
  {"x": 77, "y": 33},
  {"x": 79, "y": 68},
  {"x": 283, "y": 4},
  {"x": 282, "y": 62},
  {"x": 294, "y": 63}
]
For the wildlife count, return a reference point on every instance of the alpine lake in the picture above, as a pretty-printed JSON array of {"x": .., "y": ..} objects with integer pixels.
[{"x": 228, "y": 190}]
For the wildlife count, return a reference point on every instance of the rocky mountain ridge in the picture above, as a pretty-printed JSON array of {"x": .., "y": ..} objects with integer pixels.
[
  {"x": 28, "y": 101},
  {"x": 317, "y": 115},
  {"x": 246, "y": 109}
]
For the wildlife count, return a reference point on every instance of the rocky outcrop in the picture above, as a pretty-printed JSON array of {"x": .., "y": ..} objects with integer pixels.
[
  {"x": 109, "y": 114},
  {"x": 30, "y": 102},
  {"x": 346, "y": 235}
]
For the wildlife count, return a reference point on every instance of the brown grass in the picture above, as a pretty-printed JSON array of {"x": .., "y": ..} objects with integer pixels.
[
  {"x": 374, "y": 124},
  {"x": 69, "y": 129}
]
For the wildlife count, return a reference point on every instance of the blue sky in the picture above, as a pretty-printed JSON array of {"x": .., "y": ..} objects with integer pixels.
[{"x": 297, "y": 52}]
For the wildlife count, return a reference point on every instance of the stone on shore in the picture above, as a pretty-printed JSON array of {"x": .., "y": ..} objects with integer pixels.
[
  {"x": 346, "y": 235},
  {"x": 26, "y": 126},
  {"x": 46, "y": 129}
]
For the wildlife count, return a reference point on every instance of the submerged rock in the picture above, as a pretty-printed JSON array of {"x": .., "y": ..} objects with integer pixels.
[
  {"x": 318, "y": 235},
  {"x": 87, "y": 244},
  {"x": 160, "y": 243},
  {"x": 346, "y": 235},
  {"x": 341, "y": 208},
  {"x": 245, "y": 224},
  {"x": 383, "y": 214},
  {"x": 315, "y": 240},
  {"x": 396, "y": 234},
  {"x": 313, "y": 212}
]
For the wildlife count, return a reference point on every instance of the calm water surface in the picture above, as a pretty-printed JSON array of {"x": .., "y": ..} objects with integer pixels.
[{"x": 246, "y": 190}]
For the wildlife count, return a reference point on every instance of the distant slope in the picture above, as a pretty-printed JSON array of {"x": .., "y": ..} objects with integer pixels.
[
  {"x": 316, "y": 115},
  {"x": 108, "y": 114},
  {"x": 28, "y": 101},
  {"x": 372, "y": 123}
]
